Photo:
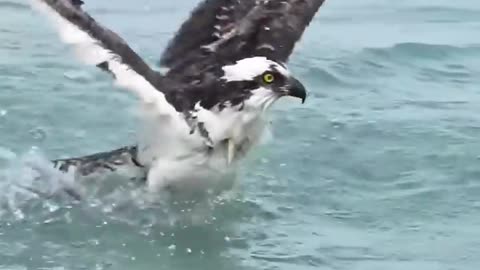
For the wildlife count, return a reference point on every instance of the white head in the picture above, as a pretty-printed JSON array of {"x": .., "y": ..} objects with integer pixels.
[
  {"x": 263, "y": 79},
  {"x": 249, "y": 68}
]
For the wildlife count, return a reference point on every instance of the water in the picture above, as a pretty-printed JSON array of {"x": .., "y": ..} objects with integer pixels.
[{"x": 378, "y": 170}]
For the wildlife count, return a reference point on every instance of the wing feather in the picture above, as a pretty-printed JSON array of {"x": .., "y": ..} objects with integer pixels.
[
  {"x": 101, "y": 47},
  {"x": 206, "y": 24},
  {"x": 284, "y": 27},
  {"x": 229, "y": 30}
]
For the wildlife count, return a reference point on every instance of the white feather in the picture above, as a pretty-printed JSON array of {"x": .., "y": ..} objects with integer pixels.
[
  {"x": 182, "y": 162},
  {"x": 90, "y": 52},
  {"x": 248, "y": 68}
]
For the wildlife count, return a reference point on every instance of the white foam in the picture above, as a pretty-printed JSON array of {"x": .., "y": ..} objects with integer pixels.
[{"x": 30, "y": 177}]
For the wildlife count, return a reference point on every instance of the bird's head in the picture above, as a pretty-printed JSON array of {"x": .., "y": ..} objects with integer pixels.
[{"x": 264, "y": 80}]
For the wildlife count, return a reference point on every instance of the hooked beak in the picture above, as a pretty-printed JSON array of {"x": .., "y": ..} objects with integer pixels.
[{"x": 296, "y": 89}]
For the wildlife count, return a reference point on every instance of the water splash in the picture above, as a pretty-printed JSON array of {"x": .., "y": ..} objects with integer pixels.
[
  {"x": 34, "y": 190},
  {"x": 29, "y": 179}
]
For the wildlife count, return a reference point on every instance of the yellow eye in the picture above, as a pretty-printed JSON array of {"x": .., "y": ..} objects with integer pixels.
[{"x": 268, "y": 78}]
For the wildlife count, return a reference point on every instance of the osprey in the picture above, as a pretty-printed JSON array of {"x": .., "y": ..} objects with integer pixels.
[{"x": 222, "y": 71}]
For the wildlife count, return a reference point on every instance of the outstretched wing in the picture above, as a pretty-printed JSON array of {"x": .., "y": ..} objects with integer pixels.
[
  {"x": 99, "y": 46},
  {"x": 235, "y": 29},
  {"x": 205, "y": 26}
]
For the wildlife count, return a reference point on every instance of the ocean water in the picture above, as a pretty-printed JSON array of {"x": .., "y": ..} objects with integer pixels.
[{"x": 378, "y": 170}]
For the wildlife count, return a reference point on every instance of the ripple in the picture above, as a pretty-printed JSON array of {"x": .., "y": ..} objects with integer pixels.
[
  {"x": 13, "y": 5},
  {"x": 423, "y": 51},
  {"x": 324, "y": 76},
  {"x": 292, "y": 259},
  {"x": 435, "y": 104},
  {"x": 436, "y": 74},
  {"x": 444, "y": 9}
]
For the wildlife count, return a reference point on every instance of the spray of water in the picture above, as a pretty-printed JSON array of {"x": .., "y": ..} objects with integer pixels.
[{"x": 32, "y": 189}]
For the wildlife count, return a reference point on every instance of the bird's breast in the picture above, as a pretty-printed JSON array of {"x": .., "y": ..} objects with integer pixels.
[{"x": 181, "y": 160}]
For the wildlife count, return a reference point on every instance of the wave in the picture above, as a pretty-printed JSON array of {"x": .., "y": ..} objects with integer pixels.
[
  {"x": 421, "y": 61},
  {"x": 423, "y": 51},
  {"x": 29, "y": 182},
  {"x": 34, "y": 190},
  {"x": 453, "y": 75},
  {"x": 13, "y": 5},
  {"x": 327, "y": 78},
  {"x": 443, "y": 9}
]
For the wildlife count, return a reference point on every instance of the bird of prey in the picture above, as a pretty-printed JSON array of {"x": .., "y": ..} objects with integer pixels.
[{"x": 206, "y": 110}]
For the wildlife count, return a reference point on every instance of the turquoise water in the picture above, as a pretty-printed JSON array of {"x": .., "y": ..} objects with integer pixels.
[{"x": 378, "y": 170}]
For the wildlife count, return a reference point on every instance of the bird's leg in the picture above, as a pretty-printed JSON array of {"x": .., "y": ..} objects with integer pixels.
[{"x": 230, "y": 151}]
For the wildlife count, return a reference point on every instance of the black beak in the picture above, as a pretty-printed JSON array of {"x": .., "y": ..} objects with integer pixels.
[{"x": 296, "y": 89}]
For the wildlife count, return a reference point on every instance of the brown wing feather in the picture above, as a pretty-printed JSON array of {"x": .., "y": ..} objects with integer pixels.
[{"x": 220, "y": 31}]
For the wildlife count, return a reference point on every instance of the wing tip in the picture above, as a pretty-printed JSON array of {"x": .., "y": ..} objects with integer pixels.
[{"x": 77, "y": 3}]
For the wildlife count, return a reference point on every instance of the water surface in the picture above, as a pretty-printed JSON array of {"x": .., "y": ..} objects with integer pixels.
[{"x": 378, "y": 170}]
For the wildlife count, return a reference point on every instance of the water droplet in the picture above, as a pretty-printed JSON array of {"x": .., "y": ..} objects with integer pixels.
[
  {"x": 189, "y": 250},
  {"x": 3, "y": 112},
  {"x": 48, "y": 221},
  {"x": 94, "y": 242},
  {"x": 227, "y": 238},
  {"x": 133, "y": 258},
  {"x": 19, "y": 214},
  {"x": 172, "y": 247},
  {"x": 38, "y": 134}
]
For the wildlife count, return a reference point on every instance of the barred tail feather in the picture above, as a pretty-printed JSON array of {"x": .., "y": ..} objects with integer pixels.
[{"x": 122, "y": 161}]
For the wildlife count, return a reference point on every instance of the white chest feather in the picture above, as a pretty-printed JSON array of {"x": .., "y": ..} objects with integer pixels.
[{"x": 180, "y": 160}]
